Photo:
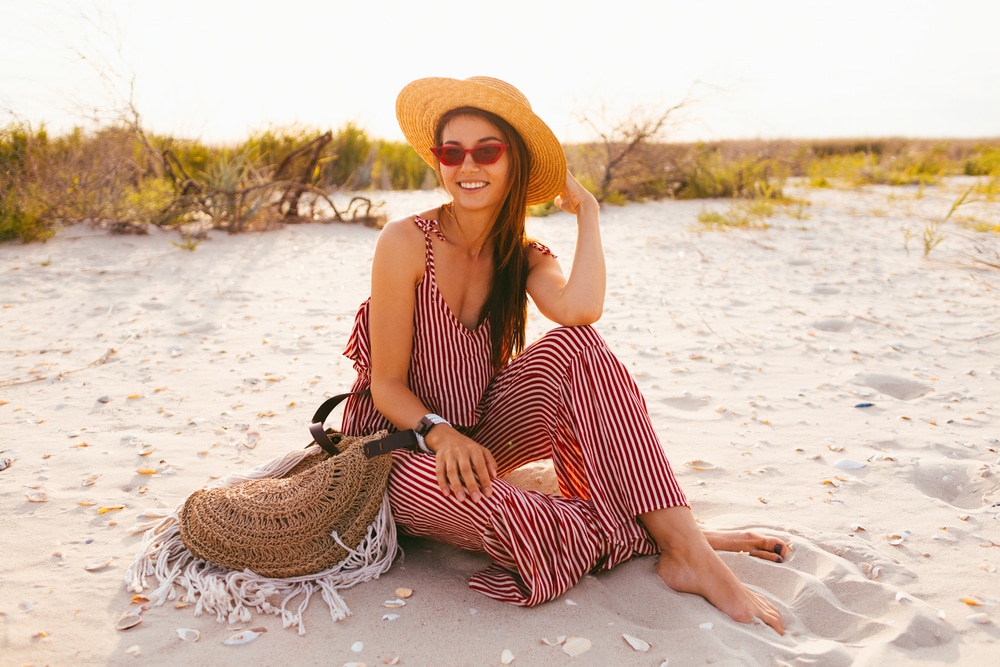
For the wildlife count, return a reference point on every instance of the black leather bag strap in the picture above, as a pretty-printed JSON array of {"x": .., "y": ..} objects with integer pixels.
[{"x": 398, "y": 440}]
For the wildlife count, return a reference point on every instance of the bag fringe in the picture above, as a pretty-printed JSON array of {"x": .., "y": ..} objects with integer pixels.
[{"x": 233, "y": 596}]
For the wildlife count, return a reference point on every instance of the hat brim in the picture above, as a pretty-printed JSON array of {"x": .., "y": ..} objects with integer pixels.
[{"x": 422, "y": 103}]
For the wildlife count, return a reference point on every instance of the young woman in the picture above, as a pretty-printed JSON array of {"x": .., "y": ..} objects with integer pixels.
[{"x": 440, "y": 344}]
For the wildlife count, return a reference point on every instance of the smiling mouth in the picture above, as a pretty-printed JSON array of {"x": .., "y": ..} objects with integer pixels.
[{"x": 472, "y": 185}]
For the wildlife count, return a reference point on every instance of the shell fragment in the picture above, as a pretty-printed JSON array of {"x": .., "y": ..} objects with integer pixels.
[
  {"x": 636, "y": 643},
  {"x": 575, "y": 646},
  {"x": 244, "y": 637}
]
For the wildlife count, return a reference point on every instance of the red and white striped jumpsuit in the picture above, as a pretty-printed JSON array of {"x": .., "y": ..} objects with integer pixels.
[{"x": 565, "y": 397}]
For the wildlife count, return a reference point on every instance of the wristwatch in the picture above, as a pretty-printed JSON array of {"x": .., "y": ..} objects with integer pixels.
[{"x": 428, "y": 422}]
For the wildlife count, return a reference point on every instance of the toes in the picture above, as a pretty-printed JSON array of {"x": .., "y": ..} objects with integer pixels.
[{"x": 767, "y": 555}]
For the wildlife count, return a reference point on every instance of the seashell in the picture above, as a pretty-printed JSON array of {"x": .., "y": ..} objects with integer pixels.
[
  {"x": 146, "y": 449},
  {"x": 904, "y": 597},
  {"x": 707, "y": 626},
  {"x": 506, "y": 657},
  {"x": 973, "y": 601},
  {"x": 96, "y": 566},
  {"x": 134, "y": 651},
  {"x": 849, "y": 464},
  {"x": 146, "y": 471},
  {"x": 857, "y": 528},
  {"x": 404, "y": 593},
  {"x": 830, "y": 482},
  {"x": 358, "y": 647},
  {"x": 355, "y": 664},
  {"x": 394, "y": 660},
  {"x": 636, "y": 643},
  {"x": 570, "y": 603},
  {"x": 90, "y": 481},
  {"x": 253, "y": 437},
  {"x": 36, "y": 496},
  {"x": 835, "y": 448},
  {"x": 393, "y": 604},
  {"x": 554, "y": 642},
  {"x": 575, "y": 646},
  {"x": 244, "y": 637},
  {"x": 5, "y": 463},
  {"x": 129, "y": 619},
  {"x": 390, "y": 617},
  {"x": 188, "y": 634},
  {"x": 110, "y": 508},
  {"x": 698, "y": 464},
  {"x": 982, "y": 618},
  {"x": 896, "y": 539}
]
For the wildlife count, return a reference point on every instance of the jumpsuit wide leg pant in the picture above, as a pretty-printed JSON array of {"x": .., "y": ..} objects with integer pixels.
[{"x": 568, "y": 398}]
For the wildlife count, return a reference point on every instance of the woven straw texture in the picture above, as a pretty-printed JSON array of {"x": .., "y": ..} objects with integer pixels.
[
  {"x": 282, "y": 527},
  {"x": 421, "y": 104}
]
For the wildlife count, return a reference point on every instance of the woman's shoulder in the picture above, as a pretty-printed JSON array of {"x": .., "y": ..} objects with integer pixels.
[
  {"x": 402, "y": 243},
  {"x": 411, "y": 225}
]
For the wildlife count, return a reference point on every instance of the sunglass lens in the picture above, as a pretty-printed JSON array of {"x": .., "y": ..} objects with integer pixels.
[
  {"x": 451, "y": 156},
  {"x": 487, "y": 154}
]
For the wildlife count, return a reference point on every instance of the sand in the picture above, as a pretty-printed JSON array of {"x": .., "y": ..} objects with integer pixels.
[{"x": 820, "y": 380}]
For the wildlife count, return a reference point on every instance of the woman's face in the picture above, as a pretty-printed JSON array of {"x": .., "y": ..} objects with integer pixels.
[{"x": 475, "y": 187}]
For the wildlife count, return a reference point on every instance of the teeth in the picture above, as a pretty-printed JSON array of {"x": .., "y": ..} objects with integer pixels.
[{"x": 473, "y": 185}]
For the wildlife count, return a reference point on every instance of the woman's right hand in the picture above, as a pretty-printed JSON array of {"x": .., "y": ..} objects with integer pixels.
[{"x": 464, "y": 467}]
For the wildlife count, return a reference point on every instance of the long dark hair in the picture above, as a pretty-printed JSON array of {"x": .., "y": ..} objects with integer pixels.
[{"x": 507, "y": 303}]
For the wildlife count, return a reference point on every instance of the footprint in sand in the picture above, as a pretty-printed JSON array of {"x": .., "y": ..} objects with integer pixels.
[
  {"x": 838, "y": 325},
  {"x": 959, "y": 483},
  {"x": 834, "y": 612},
  {"x": 900, "y": 388},
  {"x": 690, "y": 407}
]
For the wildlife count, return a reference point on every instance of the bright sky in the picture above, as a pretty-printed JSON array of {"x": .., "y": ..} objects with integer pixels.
[{"x": 218, "y": 70}]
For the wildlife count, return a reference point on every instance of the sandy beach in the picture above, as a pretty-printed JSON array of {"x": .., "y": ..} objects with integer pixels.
[{"x": 820, "y": 380}]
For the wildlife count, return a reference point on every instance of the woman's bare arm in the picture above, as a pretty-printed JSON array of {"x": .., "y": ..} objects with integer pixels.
[{"x": 578, "y": 299}]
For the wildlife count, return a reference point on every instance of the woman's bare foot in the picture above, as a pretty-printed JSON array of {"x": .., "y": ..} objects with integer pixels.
[
  {"x": 755, "y": 544},
  {"x": 688, "y": 564}
]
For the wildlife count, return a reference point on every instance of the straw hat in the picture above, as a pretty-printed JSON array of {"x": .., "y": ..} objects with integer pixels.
[{"x": 422, "y": 103}]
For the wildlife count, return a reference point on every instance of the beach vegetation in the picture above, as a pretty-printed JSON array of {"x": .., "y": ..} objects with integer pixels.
[
  {"x": 124, "y": 179},
  {"x": 618, "y": 161},
  {"x": 712, "y": 172},
  {"x": 740, "y": 214}
]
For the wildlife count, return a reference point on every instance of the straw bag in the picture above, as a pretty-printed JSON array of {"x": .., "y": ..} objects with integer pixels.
[
  {"x": 317, "y": 517},
  {"x": 300, "y": 523}
]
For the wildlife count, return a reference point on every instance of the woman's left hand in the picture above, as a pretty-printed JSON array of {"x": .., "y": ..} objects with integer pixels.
[{"x": 574, "y": 195}]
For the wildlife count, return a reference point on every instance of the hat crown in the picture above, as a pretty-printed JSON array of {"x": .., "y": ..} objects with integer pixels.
[{"x": 501, "y": 87}]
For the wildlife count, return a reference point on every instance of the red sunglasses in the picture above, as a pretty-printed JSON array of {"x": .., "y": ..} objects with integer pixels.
[{"x": 452, "y": 156}]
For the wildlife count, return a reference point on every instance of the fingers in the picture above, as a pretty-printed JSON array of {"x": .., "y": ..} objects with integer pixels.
[{"x": 465, "y": 471}]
